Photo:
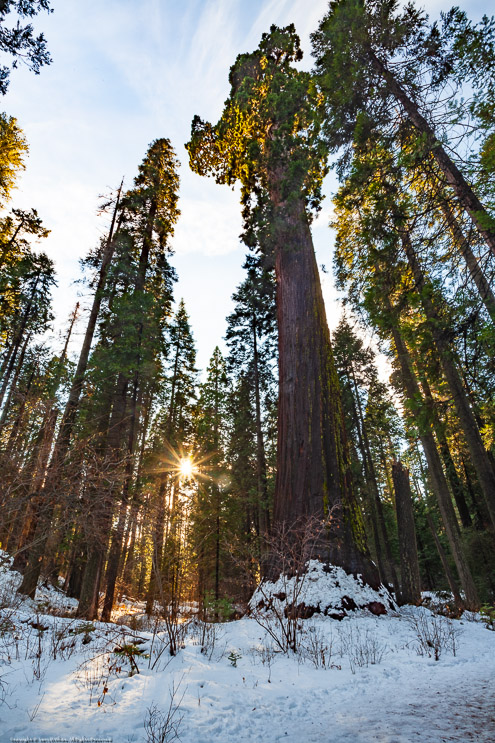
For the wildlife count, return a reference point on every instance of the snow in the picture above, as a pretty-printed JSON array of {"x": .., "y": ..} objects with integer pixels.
[
  {"x": 378, "y": 682},
  {"x": 327, "y": 588},
  {"x": 47, "y": 597}
]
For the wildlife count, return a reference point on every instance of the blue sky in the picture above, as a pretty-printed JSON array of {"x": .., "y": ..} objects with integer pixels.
[{"x": 126, "y": 72}]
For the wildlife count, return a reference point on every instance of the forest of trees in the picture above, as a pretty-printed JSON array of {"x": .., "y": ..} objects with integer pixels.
[{"x": 126, "y": 472}]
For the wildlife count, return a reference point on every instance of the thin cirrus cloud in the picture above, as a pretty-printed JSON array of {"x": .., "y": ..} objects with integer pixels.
[{"x": 126, "y": 72}]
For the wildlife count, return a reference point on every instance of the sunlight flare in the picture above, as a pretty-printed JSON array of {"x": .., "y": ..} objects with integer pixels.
[{"x": 187, "y": 468}]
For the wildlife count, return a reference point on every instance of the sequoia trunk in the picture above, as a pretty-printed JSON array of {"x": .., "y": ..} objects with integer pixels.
[{"x": 313, "y": 472}]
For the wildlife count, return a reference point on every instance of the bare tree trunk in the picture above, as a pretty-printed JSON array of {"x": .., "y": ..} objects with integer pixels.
[
  {"x": 33, "y": 474},
  {"x": 479, "y": 455},
  {"x": 474, "y": 268},
  {"x": 435, "y": 471},
  {"x": 410, "y": 588}
]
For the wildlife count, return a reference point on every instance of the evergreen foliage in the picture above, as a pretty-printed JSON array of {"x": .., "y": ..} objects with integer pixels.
[
  {"x": 126, "y": 474},
  {"x": 19, "y": 40}
]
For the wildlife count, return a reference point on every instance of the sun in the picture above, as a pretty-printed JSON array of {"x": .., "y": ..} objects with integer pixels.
[{"x": 186, "y": 468}]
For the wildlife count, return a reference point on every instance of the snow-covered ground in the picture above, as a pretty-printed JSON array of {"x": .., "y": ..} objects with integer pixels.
[{"x": 362, "y": 679}]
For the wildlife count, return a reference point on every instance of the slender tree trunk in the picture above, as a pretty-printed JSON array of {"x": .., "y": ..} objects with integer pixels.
[
  {"x": 372, "y": 480},
  {"x": 474, "y": 268},
  {"x": 32, "y": 476},
  {"x": 101, "y": 500},
  {"x": 410, "y": 591},
  {"x": 445, "y": 563},
  {"x": 261, "y": 478},
  {"x": 128, "y": 559},
  {"x": 370, "y": 499},
  {"x": 90, "y": 584},
  {"x": 481, "y": 517},
  {"x": 465, "y": 194},
  {"x": 435, "y": 471},
  {"x": 158, "y": 536},
  {"x": 114, "y": 557},
  {"x": 217, "y": 553},
  {"x": 450, "y": 469},
  {"x": 479, "y": 455}
]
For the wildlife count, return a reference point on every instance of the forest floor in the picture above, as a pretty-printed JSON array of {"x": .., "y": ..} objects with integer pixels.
[{"x": 360, "y": 680}]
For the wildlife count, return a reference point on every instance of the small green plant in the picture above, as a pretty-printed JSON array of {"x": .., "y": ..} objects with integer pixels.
[
  {"x": 82, "y": 629},
  {"x": 487, "y": 613},
  {"x": 131, "y": 651},
  {"x": 219, "y": 609},
  {"x": 234, "y": 657}
]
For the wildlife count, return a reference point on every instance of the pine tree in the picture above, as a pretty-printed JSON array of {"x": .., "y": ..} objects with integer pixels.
[
  {"x": 19, "y": 41},
  {"x": 13, "y": 147},
  {"x": 370, "y": 257},
  {"x": 382, "y": 57},
  {"x": 210, "y": 507},
  {"x": 126, "y": 364},
  {"x": 173, "y": 441},
  {"x": 358, "y": 377},
  {"x": 251, "y": 337}
]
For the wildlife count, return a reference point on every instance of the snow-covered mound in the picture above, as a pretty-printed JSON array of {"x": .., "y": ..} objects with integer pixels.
[
  {"x": 321, "y": 589},
  {"x": 47, "y": 598}
]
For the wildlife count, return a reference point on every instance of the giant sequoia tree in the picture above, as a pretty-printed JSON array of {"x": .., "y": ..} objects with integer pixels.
[{"x": 268, "y": 139}]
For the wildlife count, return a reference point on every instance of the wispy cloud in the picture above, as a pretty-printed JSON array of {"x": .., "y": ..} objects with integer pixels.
[{"x": 124, "y": 73}]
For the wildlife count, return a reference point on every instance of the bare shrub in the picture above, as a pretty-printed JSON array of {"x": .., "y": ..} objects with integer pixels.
[
  {"x": 9, "y": 598},
  {"x": 206, "y": 635},
  {"x": 362, "y": 648},
  {"x": 162, "y": 726},
  {"x": 290, "y": 551},
  {"x": 266, "y": 654},
  {"x": 434, "y": 633},
  {"x": 316, "y": 647},
  {"x": 63, "y": 638},
  {"x": 109, "y": 655},
  {"x": 175, "y": 631},
  {"x": 169, "y": 587}
]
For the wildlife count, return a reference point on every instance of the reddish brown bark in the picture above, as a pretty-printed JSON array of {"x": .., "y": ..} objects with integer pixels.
[
  {"x": 313, "y": 473},
  {"x": 410, "y": 589}
]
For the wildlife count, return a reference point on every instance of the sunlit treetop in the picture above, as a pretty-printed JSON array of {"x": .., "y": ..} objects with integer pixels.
[
  {"x": 153, "y": 200},
  {"x": 13, "y": 148},
  {"x": 268, "y": 137}
]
